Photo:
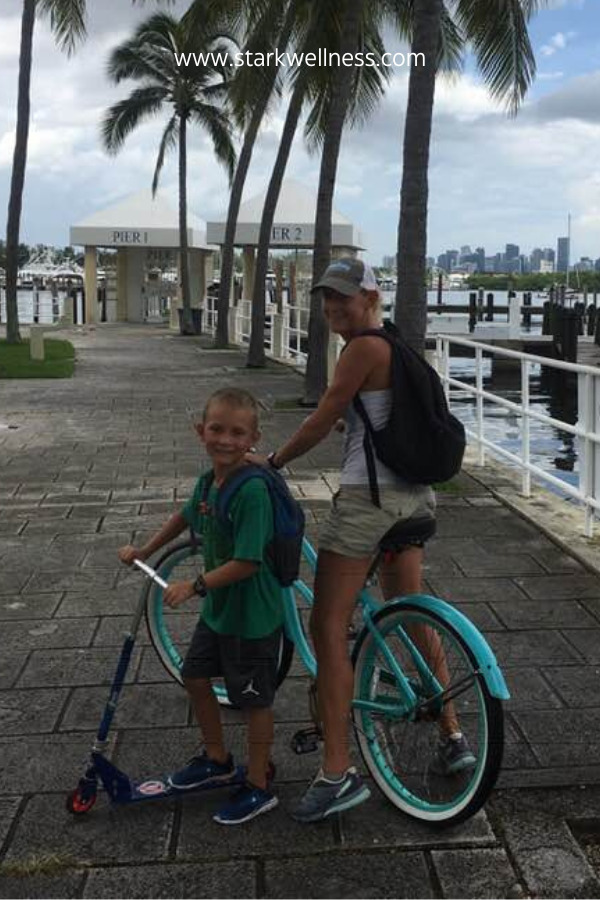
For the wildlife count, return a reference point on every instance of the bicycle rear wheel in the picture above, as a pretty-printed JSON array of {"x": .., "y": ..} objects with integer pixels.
[
  {"x": 400, "y": 751},
  {"x": 171, "y": 630}
]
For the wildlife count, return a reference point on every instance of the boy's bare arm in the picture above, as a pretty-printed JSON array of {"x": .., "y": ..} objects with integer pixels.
[
  {"x": 170, "y": 530},
  {"x": 228, "y": 573}
]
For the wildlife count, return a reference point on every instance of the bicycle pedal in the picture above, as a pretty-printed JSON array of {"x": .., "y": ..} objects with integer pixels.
[{"x": 306, "y": 741}]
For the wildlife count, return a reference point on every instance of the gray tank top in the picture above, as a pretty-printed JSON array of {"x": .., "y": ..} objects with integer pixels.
[{"x": 354, "y": 465}]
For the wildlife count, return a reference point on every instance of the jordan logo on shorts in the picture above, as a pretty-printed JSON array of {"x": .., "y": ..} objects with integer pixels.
[{"x": 249, "y": 689}]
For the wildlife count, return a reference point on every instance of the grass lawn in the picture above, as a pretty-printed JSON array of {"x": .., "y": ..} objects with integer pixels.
[{"x": 15, "y": 361}]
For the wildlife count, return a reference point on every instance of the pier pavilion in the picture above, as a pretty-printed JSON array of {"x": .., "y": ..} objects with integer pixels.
[
  {"x": 145, "y": 233},
  {"x": 293, "y": 228}
]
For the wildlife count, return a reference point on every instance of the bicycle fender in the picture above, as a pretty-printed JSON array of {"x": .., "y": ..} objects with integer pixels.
[{"x": 476, "y": 642}]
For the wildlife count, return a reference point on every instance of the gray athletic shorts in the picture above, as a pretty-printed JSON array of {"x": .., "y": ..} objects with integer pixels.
[
  {"x": 355, "y": 525},
  {"x": 248, "y": 665}
]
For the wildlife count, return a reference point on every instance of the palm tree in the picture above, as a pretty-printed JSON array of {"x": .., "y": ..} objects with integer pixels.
[
  {"x": 254, "y": 94},
  {"x": 497, "y": 33},
  {"x": 322, "y": 28},
  {"x": 340, "y": 101},
  {"x": 67, "y": 19},
  {"x": 193, "y": 93}
]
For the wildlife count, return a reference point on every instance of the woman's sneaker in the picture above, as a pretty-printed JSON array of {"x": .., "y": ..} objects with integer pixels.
[
  {"x": 201, "y": 771},
  {"x": 325, "y": 797},
  {"x": 246, "y": 804},
  {"x": 453, "y": 756}
]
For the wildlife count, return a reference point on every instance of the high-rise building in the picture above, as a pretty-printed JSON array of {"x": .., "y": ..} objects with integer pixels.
[
  {"x": 563, "y": 251},
  {"x": 388, "y": 262},
  {"x": 480, "y": 254},
  {"x": 535, "y": 259},
  {"x": 512, "y": 251}
]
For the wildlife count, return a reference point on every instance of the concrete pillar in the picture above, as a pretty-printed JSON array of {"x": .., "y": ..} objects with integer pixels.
[
  {"x": 122, "y": 284},
  {"x": 136, "y": 260},
  {"x": 248, "y": 258},
  {"x": 277, "y": 336},
  {"x": 36, "y": 342},
  {"x": 232, "y": 324},
  {"x": 514, "y": 317},
  {"x": 67, "y": 313},
  {"x": 90, "y": 268},
  {"x": 197, "y": 278}
]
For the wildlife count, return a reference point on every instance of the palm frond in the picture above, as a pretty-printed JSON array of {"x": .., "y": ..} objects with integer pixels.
[
  {"x": 497, "y": 31},
  {"x": 216, "y": 123},
  {"x": 123, "y": 117},
  {"x": 167, "y": 142},
  {"x": 67, "y": 21}
]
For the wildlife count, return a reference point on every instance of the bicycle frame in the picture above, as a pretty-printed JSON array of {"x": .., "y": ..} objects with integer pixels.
[
  {"x": 370, "y": 606},
  {"x": 486, "y": 661}
]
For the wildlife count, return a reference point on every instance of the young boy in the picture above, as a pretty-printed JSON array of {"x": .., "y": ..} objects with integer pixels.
[{"x": 239, "y": 632}]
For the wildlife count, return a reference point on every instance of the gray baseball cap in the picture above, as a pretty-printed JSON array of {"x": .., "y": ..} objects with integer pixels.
[{"x": 347, "y": 276}]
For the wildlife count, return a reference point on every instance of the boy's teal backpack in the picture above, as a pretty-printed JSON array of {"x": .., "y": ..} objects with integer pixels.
[{"x": 285, "y": 550}]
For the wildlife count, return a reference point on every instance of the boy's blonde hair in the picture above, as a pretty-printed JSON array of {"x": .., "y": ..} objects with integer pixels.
[{"x": 236, "y": 398}]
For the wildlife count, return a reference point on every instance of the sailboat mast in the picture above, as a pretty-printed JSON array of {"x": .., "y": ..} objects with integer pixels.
[{"x": 568, "y": 248}]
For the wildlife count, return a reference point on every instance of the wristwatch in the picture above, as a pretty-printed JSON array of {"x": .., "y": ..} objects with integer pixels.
[
  {"x": 200, "y": 586},
  {"x": 271, "y": 460}
]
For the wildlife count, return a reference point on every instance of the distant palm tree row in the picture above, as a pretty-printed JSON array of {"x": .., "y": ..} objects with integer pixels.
[{"x": 231, "y": 103}]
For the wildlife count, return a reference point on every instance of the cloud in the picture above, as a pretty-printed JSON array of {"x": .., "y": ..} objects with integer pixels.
[{"x": 557, "y": 42}]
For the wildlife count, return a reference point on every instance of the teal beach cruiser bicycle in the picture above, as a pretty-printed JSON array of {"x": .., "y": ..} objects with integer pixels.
[{"x": 417, "y": 660}]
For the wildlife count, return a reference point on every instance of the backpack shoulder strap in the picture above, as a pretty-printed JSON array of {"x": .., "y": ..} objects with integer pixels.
[{"x": 233, "y": 483}]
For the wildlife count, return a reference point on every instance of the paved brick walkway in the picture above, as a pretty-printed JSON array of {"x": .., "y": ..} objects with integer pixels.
[{"x": 90, "y": 463}]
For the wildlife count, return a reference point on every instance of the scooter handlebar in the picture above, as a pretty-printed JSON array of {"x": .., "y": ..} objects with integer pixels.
[{"x": 150, "y": 573}]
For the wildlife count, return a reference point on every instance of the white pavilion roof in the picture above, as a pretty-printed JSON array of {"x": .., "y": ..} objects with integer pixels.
[
  {"x": 139, "y": 220},
  {"x": 294, "y": 224}
]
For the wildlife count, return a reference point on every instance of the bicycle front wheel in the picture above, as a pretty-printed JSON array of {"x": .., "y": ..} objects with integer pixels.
[
  {"x": 171, "y": 630},
  {"x": 401, "y": 748}
]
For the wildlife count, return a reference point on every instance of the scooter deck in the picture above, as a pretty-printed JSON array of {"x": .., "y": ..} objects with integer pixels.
[{"x": 121, "y": 789}]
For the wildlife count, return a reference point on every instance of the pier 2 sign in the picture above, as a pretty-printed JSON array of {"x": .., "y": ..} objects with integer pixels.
[{"x": 287, "y": 234}]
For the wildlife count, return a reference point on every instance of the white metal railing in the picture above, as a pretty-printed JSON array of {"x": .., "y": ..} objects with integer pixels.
[
  {"x": 587, "y": 429},
  {"x": 295, "y": 328},
  {"x": 35, "y": 306}
]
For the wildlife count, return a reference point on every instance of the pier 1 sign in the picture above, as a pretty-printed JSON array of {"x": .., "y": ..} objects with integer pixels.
[{"x": 129, "y": 237}]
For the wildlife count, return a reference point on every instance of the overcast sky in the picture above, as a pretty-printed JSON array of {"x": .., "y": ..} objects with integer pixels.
[{"x": 493, "y": 179}]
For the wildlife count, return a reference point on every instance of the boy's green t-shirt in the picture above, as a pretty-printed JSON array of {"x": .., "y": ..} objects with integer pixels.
[{"x": 251, "y": 608}]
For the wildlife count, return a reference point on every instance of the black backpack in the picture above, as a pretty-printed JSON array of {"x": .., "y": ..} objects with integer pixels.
[
  {"x": 422, "y": 441},
  {"x": 285, "y": 550}
]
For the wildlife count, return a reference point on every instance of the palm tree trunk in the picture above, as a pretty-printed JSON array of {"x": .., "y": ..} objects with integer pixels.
[
  {"x": 187, "y": 323},
  {"x": 256, "y": 350},
  {"x": 315, "y": 382},
  {"x": 237, "y": 187},
  {"x": 411, "y": 291},
  {"x": 235, "y": 199},
  {"x": 18, "y": 173}
]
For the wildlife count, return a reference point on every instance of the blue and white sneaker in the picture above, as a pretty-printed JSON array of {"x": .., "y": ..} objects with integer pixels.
[
  {"x": 325, "y": 797},
  {"x": 453, "y": 756},
  {"x": 246, "y": 804},
  {"x": 201, "y": 771}
]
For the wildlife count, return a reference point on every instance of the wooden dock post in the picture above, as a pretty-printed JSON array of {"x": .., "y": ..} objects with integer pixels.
[
  {"x": 480, "y": 295},
  {"x": 439, "y": 289},
  {"x": 472, "y": 310},
  {"x": 527, "y": 312},
  {"x": 591, "y": 320},
  {"x": 489, "y": 316}
]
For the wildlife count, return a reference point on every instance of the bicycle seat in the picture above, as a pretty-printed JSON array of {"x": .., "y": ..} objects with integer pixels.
[{"x": 411, "y": 533}]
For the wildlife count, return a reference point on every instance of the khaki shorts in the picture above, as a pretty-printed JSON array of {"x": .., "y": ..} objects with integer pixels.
[{"x": 355, "y": 525}]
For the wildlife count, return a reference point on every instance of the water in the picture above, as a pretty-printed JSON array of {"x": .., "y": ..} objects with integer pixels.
[{"x": 551, "y": 392}]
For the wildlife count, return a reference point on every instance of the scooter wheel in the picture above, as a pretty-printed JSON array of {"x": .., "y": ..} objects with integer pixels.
[{"x": 77, "y": 804}]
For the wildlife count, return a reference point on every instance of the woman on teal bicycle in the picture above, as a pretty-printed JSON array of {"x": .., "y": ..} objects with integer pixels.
[{"x": 350, "y": 537}]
